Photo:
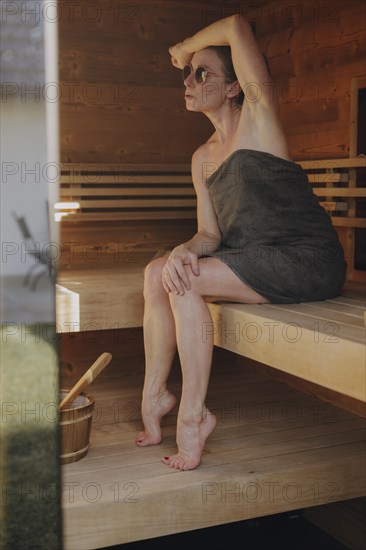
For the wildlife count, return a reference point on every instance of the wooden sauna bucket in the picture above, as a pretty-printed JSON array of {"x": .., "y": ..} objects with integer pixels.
[{"x": 75, "y": 425}]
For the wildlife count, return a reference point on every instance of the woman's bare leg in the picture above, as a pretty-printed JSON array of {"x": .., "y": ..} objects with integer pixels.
[
  {"x": 160, "y": 348},
  {"x": 216, "y": 282}
]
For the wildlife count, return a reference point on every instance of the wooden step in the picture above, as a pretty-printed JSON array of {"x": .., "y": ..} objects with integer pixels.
[{"x": 253, "y": 465}]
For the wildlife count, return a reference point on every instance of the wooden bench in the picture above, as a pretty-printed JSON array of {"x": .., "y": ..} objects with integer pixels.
[
  {"x": 319, "y": 342},
  {"x": 122, "y": 494},
  {"x": 97, "y": 300}
]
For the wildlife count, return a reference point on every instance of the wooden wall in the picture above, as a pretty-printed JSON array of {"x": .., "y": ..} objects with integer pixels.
[
  {"x": 126, "y": 100},
  {"x": 122, "y": 100}
]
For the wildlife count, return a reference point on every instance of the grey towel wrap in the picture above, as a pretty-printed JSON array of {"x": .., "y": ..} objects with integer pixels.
[{"x": 276, "y": 237}]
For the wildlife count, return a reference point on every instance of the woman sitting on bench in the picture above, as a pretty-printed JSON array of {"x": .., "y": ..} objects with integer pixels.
[{"x": 262, "y": 235}]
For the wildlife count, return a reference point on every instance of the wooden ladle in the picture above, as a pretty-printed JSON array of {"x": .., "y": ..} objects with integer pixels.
[{"x": 87, "y": 378}]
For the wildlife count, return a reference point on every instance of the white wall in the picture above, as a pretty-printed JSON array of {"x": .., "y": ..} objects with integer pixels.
[{"x": 25, "y": 177}]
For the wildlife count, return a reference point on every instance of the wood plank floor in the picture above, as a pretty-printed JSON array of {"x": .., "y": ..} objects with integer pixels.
[{"x": 274, "y": 449}]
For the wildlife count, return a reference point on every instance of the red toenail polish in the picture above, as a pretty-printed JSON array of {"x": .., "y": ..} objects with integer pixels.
[{"x": 166, "y": 458}]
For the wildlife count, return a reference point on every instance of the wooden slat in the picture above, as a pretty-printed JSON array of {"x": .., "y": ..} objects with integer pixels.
[
  {"x": 116, "y": 216},
  {"x": 127, "y": 178},
  {"x": 359, "y": 301},
  {"x": 332, "y": 206},
  {"x": 321, "y": 177},
  {"x": 323, "y": 311},
  {"x": 132, "y": 167},
  {"x": 137, "y": 168},
  {"x": 348, "y": 222},
  {"x": 339, "y": 192},
  {"x": 107, "y": 191},
  {"x": 160, "y": 202},
  {"x": 327, "y": 164}
]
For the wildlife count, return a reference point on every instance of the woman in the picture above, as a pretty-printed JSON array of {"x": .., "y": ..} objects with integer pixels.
[{"x": 262, "y": 235}]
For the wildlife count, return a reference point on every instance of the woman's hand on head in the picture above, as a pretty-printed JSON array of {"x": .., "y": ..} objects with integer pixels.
[
  {"x": 180, "y": 57},
  {"x": 175, "y": 271}
]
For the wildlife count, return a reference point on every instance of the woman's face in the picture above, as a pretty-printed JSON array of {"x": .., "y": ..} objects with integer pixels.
[{"x": 211, "y": 94}]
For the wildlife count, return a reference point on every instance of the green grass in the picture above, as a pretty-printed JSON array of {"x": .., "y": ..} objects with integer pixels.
[{"x": 29, "y": 439}]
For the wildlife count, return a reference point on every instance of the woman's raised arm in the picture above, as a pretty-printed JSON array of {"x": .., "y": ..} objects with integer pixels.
[{"x": 248, "y": 60}]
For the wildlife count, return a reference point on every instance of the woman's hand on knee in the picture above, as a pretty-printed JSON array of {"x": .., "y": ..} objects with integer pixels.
[{"x": 175, "y": 271}]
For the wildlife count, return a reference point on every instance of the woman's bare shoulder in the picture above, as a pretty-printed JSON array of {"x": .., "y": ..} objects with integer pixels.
[
  {"x": 200, "y": 154},
  {"x": 203, "y": 151},
  {"x": 201, "y": 157}
]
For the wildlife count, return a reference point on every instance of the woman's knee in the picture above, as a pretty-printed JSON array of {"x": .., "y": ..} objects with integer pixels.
[
  {"x": 152, "y": 275},
  {"x": 197, "y": 283}
]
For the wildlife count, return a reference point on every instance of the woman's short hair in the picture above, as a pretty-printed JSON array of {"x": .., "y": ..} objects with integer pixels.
[{"x": 224, "y": 53}]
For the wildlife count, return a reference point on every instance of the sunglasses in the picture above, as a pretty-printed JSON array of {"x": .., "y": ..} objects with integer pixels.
[{"x": 200, "y": 74}]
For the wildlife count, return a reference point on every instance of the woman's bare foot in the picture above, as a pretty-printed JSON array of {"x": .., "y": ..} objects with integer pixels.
[
  {"x": 153, "y": 411},
  {"x": 191, "y": 439}
]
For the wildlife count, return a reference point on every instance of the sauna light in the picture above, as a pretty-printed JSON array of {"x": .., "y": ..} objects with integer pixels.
[{"x": 67, "y": 205}]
